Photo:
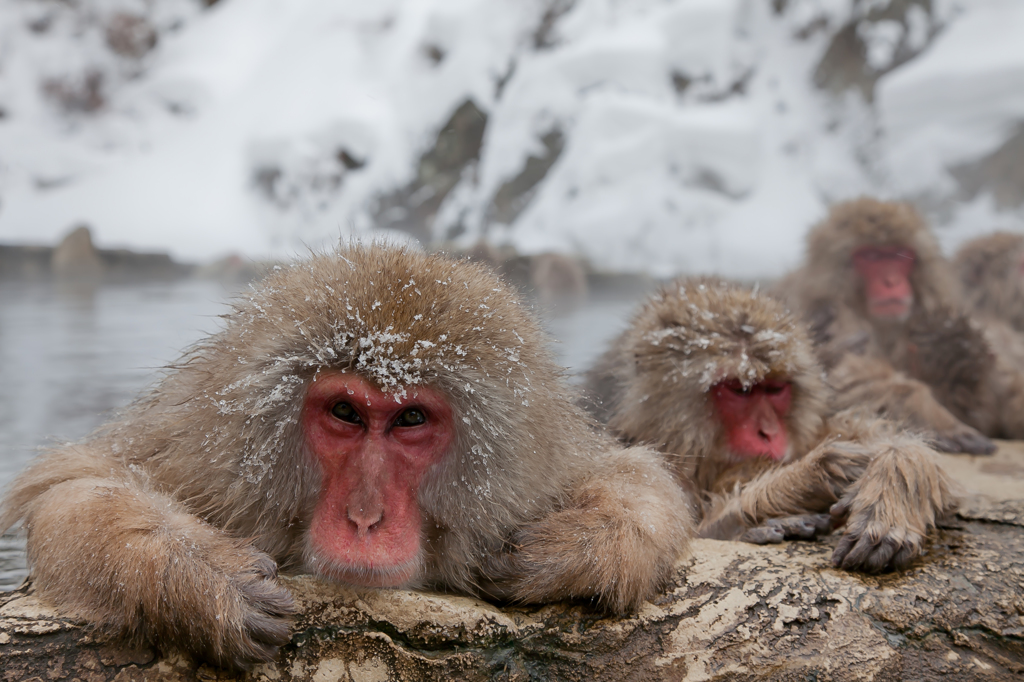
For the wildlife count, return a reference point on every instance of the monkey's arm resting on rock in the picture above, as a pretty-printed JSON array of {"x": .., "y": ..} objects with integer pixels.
[
  {"x": 884, "y": 485},
  {"x": 132, "y": 561},
  {"x": 875, "y": 386},
  {"x": 890, "y": 510},
  {"x": 613, "y": 540},
  {"x": 791, "y": 500}
]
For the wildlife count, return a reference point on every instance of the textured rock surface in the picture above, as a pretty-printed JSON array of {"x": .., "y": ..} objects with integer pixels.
[{"x": 734, "y": 612}]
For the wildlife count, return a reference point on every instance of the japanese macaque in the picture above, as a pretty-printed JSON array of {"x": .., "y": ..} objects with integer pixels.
[
  {"x": 725, "y": 382},
  {"x": 553, "y": 279},
  {"x": 378, "y": 417},
  {"x": 873, "y": 277},
  {"x": 991, "y": 269}
]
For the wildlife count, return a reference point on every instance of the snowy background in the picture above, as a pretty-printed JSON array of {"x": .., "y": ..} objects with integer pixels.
[{"x": 659, "y": 135}]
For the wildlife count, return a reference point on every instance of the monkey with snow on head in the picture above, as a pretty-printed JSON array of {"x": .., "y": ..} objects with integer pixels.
[
  {"x": 378, "y": 417},
  {"x": 724, "y": 381},
  {"x": 874, "y": 285}
]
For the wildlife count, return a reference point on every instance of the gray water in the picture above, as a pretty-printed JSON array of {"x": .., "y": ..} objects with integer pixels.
[{"x": 71, "y": 356}]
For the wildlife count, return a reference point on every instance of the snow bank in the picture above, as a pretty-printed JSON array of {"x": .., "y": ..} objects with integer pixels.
[
  {"x": 691, "y": 135},
  {"x": 958, "y": 101}
]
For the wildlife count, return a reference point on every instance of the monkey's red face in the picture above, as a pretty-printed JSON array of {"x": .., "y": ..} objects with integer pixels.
[
  {"x": 754, "y": 418},
  {"x": 373, "y": 449},
  {"x": 885, "y": 272}
]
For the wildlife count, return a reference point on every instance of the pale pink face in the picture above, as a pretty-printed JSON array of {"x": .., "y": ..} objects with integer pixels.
[
  {"x": 373, "y": 449},
  {"x": 754, "y": 417},
  {"x": 885, "y": 272}
]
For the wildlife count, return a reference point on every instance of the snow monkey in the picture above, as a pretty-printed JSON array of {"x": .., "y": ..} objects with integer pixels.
[
  {"x": 873, "y": 278},
  {"x": 378, "y": 417},
  {"x": 725, "y": 382},
  {"x": 991, "y": 269}
]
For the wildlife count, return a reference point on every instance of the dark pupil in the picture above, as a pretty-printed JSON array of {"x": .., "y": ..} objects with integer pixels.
[
  {"x": 411, "y": 417},
  {"x": 346, "y": 413}
]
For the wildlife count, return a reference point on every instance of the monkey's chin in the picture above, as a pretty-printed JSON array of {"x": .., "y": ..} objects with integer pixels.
[
  {"x": 398, "y": 575},
  {"x": 739, "y": 457},
  {"x": 890, "y": 310}
]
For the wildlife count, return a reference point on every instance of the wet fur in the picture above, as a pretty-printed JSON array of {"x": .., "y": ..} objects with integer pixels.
[
  {"x": 165, "y": 525},
  {"x": 653, "y": 386}
]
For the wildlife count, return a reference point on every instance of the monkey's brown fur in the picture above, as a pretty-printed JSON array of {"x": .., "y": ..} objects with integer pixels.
[
  {"x": 990, "y": 272},
  {"x": 653, "y": 386},
  {"x": 164, "y": 526},
  {"x": 872, "y": 363}
]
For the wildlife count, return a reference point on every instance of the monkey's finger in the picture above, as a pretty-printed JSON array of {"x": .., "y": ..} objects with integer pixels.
[
  {"x": 839, "y": 512},
  {"x": 796, "y": 527},
  {"x": 859, "y": 553},
  {"x": 805, "y": 526},
  {"x": 822, "y": 523},
  {"x": 910, "y": 550},
  {"x": 878, "y": 560},
  {"x": 763, "y": 535},
  {"x": 265, "y": 566},
  {"x": 267, "y": 631},
  {"x": 843, "y": 548},
  {"x": 970, "y": 442},
  {"x": 976, "y": 444}
]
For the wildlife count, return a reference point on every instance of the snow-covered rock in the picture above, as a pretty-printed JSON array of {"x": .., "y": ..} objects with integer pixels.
[{"x": 660, "y": 135}]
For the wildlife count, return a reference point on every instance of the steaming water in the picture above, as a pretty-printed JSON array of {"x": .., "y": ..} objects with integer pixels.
[{"x": 71, "y": 356}]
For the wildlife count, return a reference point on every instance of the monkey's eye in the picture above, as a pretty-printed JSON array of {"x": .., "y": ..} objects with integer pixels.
[
  {"x": 775, "y": 388},
  {"x": 346, "y": 413},
  {"x": 738, "y": 388},
  {"x": 411, "y": 417}
]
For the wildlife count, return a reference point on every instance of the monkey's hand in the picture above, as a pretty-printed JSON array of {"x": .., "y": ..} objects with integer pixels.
[
  {"x": 258, "y": 611},
  {"x": 786, "y": 501},
  {"x": 962, "y": 438},
  {"x": 141, "y": 568},
  {"x": 616, "y": 540},
  {"x": 890, "y": 510},
  {"x": 802, "y": 527},
  {"x": 809, "y": 485}
]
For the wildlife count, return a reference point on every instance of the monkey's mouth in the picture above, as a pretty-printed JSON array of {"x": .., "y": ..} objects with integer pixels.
[
  {"x": 773, "y": 452},
  {"x": 399, "y": 575},
  {"x": 897, "y": 309},
  {"x": 748, "y": 454}
]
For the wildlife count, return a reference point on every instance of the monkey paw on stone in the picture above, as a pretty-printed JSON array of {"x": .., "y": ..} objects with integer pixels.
[
  {"x": 256, "y": 616},
  {"x": 800, "y": 527},
  {"x": 870, "y": 544},
  {"x": 963, "y": 439}
]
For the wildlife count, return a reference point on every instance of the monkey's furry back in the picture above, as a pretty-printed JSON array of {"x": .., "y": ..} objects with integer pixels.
[
  {"x": 989, "y": 268},
  {"x": 221, "y": 431},
  {"x": 653, "y": 384}
]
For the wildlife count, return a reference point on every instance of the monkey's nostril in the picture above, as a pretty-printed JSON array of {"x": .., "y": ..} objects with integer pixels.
[{"x": 365, "y": 520}]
